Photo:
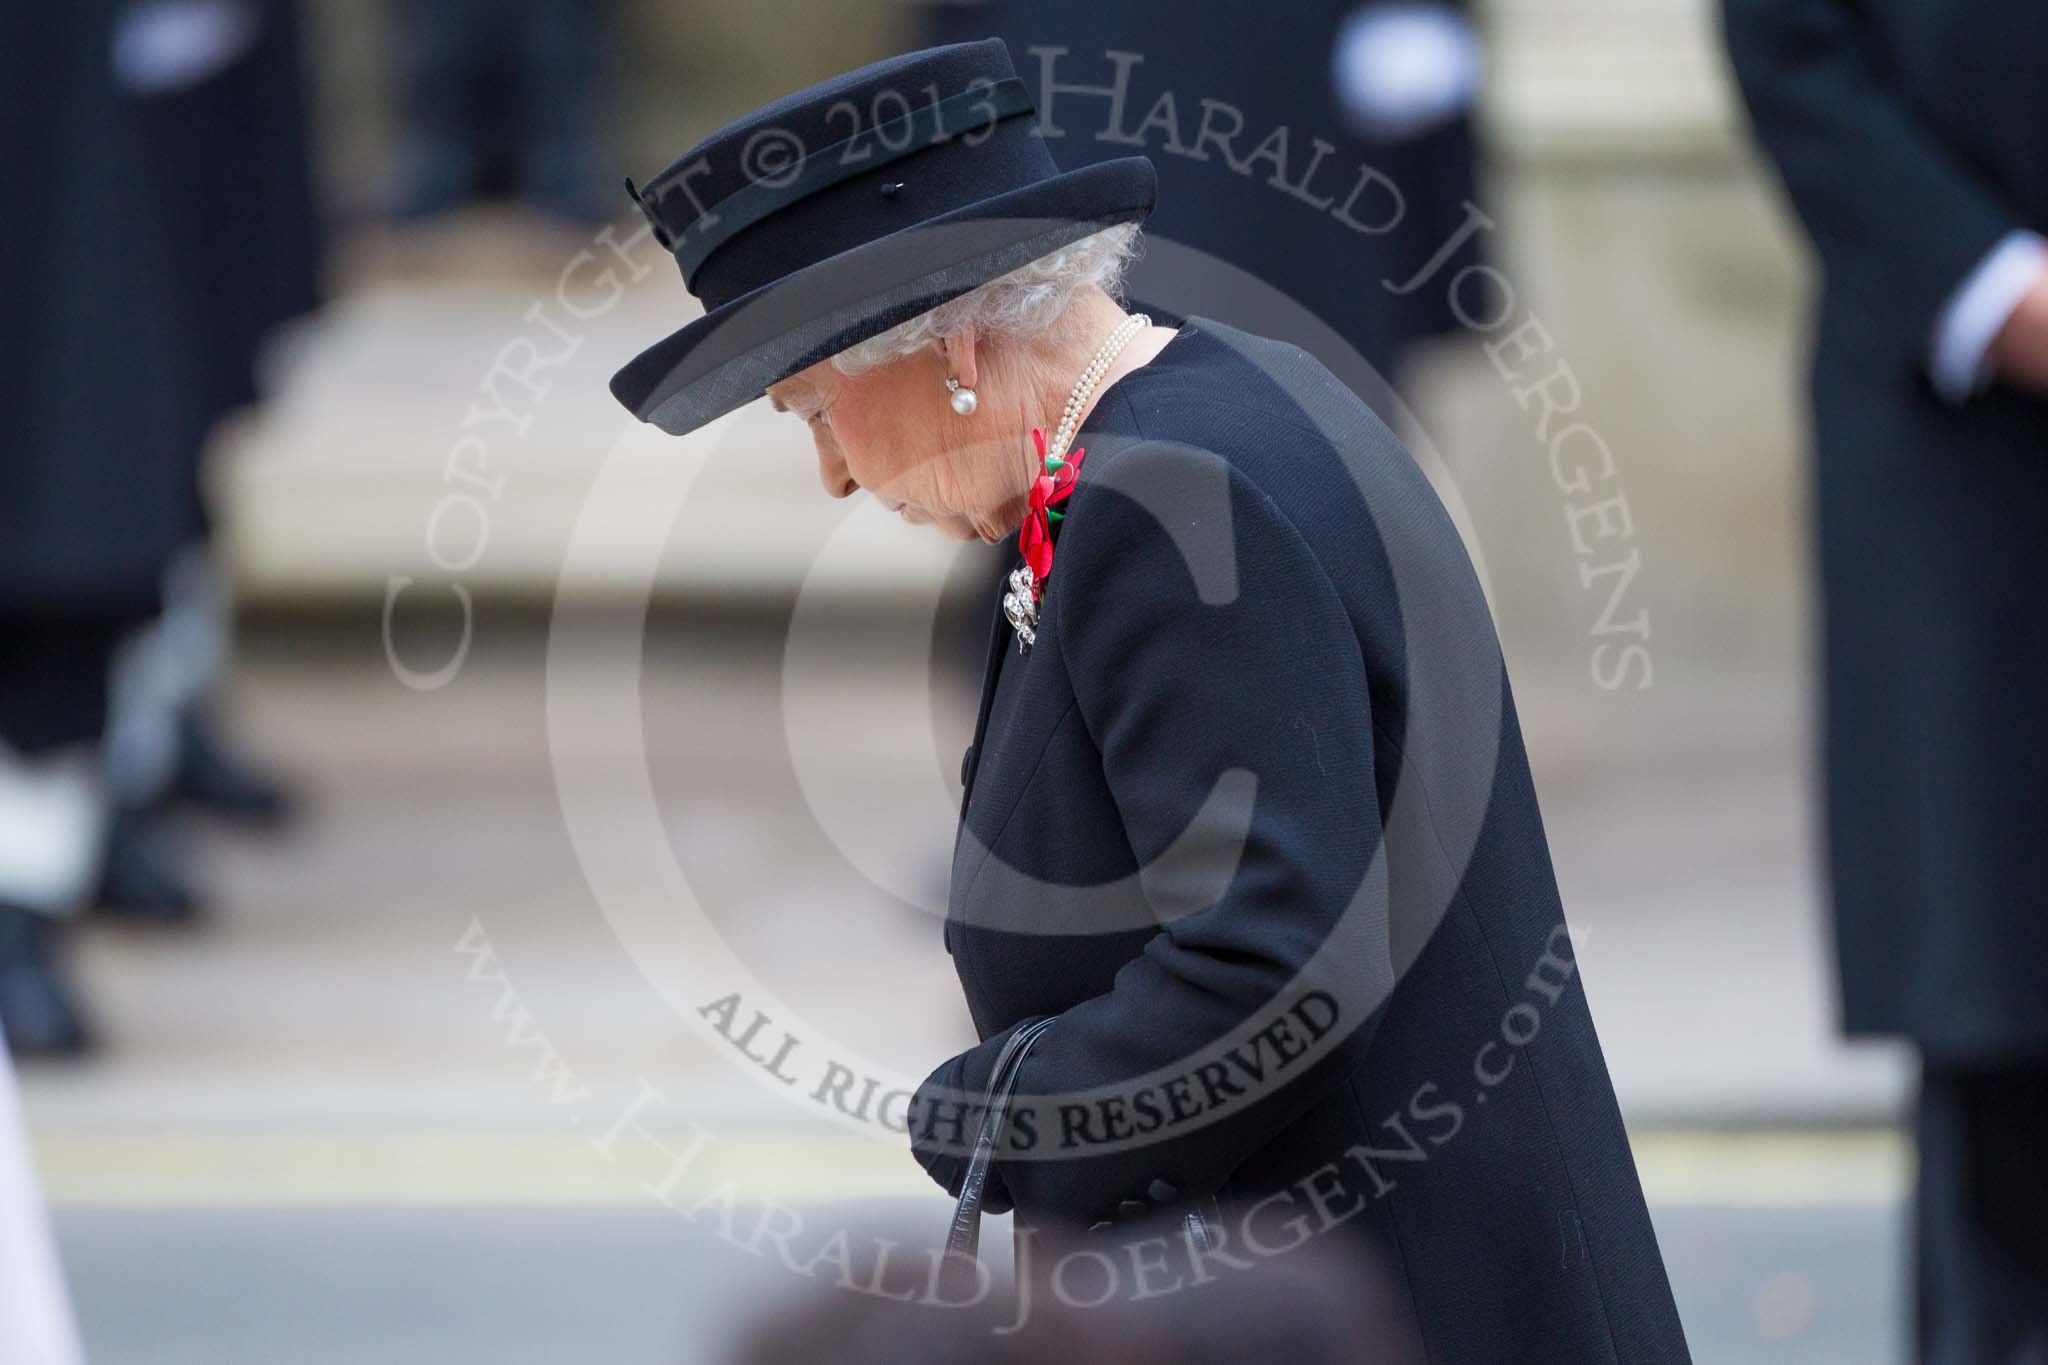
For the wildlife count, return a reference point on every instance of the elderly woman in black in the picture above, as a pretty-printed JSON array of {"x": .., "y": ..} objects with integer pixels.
[{"x": 1251, "y": 899}]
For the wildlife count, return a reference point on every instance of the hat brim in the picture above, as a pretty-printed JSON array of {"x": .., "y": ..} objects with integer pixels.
[{"x": 726, "y": 358}]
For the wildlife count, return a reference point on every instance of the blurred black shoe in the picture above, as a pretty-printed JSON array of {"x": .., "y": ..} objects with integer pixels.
[
  {"x": 211, "y": 777},
  {"x": 38, "y": 1010},
  {"x": 145, "y": 878}
]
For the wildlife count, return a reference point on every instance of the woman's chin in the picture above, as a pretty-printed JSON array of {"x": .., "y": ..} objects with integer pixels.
[{"x": 951, "y": 527}]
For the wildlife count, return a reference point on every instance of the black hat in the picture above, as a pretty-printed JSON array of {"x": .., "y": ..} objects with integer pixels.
[{"x": 838, "y": 212}]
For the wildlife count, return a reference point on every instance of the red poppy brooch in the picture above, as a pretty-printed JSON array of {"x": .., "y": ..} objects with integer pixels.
[{"x": 1026, "y": 584}]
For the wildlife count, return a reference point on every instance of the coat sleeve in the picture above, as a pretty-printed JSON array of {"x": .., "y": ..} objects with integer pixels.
[
  {"x": 1258, "y": 672},
  {"x": 1897, "y": 219}
]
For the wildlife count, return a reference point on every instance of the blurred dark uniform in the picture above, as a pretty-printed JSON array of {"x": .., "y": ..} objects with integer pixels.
[
  {"x": 158, "y": 223},
  {"x": 1913, "y": 139},
  {"x": 1276, "y": 65}
]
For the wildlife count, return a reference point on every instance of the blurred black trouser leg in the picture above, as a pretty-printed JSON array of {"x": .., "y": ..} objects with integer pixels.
[
  {"x": 198, "y": 634},
  {"x": 161, "y": 745},
  {"x": 451, "y": 60},
  {"x": 561, "y": 161},
  {"x": 162, "y": 671},
  {"x": 497, "y": 91},
  {"x": 54, "y": 671},
  {"x": 1982, "y": 1215}
]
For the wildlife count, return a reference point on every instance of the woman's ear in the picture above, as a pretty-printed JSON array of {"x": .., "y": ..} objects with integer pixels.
[{"x": 958, "y": 351}]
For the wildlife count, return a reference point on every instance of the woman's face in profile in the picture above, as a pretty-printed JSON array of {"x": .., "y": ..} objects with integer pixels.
[{"x": 892, "y": 431}]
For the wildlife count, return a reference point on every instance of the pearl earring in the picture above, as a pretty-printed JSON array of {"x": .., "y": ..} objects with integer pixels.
[{"x": 965, "y": 400}]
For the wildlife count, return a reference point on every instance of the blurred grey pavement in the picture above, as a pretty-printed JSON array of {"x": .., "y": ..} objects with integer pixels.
[{"x": 634, "y": 1286}]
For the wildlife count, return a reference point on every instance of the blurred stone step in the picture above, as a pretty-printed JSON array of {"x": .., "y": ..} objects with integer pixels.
[{"x": 443, "y": 433}]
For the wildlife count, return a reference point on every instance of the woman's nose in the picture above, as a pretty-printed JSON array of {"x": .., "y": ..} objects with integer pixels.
[{"x": 832, "y": 472}]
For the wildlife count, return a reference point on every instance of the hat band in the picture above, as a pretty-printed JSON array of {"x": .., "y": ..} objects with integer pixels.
[{"x": 983, "y": 104}]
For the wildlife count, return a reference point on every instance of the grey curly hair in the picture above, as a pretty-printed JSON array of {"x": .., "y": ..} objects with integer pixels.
[{"x": 1026, "y": 304}]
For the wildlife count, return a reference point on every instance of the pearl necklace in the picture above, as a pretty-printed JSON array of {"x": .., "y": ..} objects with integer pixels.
[
  {"x": 1077, "y": 401},
  {"x": 1020, "y": 597}
]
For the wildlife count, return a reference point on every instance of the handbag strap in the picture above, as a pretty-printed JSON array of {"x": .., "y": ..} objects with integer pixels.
[{"x": 964, "y": 1236}]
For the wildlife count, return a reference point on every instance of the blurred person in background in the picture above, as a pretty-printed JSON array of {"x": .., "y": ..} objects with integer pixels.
[
  {"x": 1388, "y": 84},
  {"x": 161, "y": 230},
  {"x": 501, "y": 96},
  {"x": 96, "y": 473},
  {"x": 1912, "y": 139},
  {"x": 217, "y": 90},
  {"x": 934, "y": 298}
]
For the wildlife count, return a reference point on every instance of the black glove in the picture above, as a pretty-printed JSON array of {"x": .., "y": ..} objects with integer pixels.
[{"x": 946, "y": 1115}]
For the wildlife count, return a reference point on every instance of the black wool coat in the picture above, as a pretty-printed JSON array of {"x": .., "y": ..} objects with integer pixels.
[
  {"x": 148, "y": 244},
  {"x": 1260, "y": 782},
  {"x": 1912, "y": 137},
  {"x": 97, "y": 448}
]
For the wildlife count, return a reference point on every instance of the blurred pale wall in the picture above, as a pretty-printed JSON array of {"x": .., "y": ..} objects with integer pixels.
[{"x": 1637, "y": 224}]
